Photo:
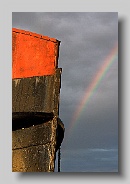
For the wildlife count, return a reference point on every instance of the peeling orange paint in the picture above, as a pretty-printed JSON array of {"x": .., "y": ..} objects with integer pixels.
[{"x": 33, "y": 54}]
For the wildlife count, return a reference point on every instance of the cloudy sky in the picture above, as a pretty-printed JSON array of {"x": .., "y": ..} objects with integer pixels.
[{"x": 87, "y": 41}]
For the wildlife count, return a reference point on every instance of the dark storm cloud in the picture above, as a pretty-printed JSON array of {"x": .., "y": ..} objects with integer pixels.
[{"x": 86, "y": 41}]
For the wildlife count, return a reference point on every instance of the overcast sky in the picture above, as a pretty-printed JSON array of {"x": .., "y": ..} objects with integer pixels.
[{"x": 86, "y": 40}]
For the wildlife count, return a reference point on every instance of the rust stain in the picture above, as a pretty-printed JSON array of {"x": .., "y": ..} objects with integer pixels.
[{"x": 33, "y": 54}]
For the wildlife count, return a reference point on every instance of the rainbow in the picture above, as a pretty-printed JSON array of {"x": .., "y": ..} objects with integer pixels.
[{"x": 94, "y": 85}]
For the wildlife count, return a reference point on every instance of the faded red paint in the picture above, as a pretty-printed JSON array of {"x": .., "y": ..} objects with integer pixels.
[{"x": 33, "y": 54}]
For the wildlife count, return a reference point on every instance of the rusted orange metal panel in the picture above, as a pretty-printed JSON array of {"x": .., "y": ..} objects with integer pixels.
[{"x": 33, "y": 54}]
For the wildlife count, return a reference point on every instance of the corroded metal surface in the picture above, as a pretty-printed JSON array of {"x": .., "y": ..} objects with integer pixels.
[
  {"x": 33, "y": 54},
  {"x": 36, "y": 94},
  {"x": 35, "y": 100},
  {"x": 37, "y": 130},
  {"x": 31, "y": 136},
  {"x": 34, "y": 148},
  {"x": 59, "y": 133},
  {"x": 32, "y": 159}
]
